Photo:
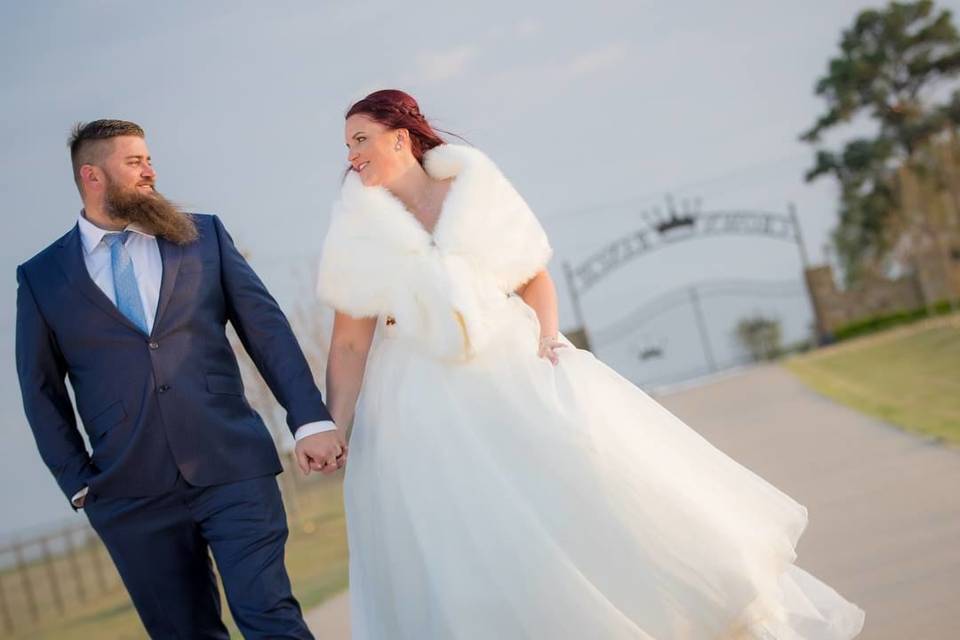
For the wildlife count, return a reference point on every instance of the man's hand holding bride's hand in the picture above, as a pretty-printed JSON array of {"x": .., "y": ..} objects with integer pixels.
[
  {"x": 324, "y": 452},
  {"x": 548, "y": 348}
]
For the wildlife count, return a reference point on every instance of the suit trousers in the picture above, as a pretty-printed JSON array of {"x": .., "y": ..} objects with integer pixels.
[{"x": 161, "y": 546}]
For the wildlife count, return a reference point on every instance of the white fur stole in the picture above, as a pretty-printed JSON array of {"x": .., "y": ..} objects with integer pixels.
[{"x": 442, "y": 288}]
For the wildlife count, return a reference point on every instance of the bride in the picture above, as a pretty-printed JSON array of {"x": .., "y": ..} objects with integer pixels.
[{"x": 503, "y": 484}]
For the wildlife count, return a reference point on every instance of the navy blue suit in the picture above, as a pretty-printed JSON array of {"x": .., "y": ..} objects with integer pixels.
[{"x": 179, "y": 459}]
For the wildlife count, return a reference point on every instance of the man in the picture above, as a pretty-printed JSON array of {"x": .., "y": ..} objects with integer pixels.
[{"x": 131, "y": 304}]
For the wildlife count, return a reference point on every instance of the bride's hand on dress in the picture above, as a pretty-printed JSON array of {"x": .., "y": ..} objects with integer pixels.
[
  {"x": 548, "y": 348},
  {"x": 325, "y": 452}
]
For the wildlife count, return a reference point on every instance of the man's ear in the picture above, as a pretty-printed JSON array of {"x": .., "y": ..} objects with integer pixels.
[{"x": 90, "y": 175}]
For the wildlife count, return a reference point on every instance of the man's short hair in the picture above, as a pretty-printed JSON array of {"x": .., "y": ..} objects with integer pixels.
[{"x": 87, "y": 141}]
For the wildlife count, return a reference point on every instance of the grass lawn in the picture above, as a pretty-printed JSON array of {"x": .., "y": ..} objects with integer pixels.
[
  {"x": 316, "y": 561},
  {"x": 909, "y": 376}
]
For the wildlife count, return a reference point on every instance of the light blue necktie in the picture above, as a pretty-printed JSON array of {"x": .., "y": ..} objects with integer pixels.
[{"x": 125, "y": 280}]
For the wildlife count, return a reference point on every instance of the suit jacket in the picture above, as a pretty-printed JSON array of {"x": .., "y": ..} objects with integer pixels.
[{"x": 155, "y": 405}]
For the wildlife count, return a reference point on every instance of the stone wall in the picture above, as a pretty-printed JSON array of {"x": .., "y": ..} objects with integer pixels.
[
  {"x": 935, "y": 278},
  {"x": 836, "y": 308}
]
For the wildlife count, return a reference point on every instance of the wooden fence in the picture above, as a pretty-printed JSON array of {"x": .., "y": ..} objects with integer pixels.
[{"x": 65, "y": 571}]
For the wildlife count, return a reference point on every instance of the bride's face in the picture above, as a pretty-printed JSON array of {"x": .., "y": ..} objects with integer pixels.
[{"x": 372, "y": 152}]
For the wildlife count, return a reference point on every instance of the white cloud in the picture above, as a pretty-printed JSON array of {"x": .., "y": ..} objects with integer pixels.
[
  {"x": 598, "y": 59},
  {"x": 437, "y": 66},
  {"x": 530, "y": 85},
  {"x": 527, "y": 27}
]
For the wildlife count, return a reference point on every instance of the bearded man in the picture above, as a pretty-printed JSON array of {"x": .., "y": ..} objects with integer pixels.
[{"x": 131, "y": 305}]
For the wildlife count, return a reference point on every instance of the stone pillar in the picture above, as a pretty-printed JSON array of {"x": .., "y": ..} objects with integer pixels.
[{"x": 824, "y": 297}]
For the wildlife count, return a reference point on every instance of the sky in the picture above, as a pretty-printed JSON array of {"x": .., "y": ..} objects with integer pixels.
[{"x": 595, "y": 114}]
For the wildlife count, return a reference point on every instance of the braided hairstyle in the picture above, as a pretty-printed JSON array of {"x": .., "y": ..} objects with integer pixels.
[{"x": 398, "y": 110}]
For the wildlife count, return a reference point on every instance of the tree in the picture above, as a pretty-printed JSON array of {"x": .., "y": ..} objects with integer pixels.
[
  {"x": 760, "y": 336},
  {"x": 892, "y": 65}
]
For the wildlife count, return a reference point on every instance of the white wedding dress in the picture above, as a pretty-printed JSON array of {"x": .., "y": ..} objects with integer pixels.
[{"x": 490, "y": 494}]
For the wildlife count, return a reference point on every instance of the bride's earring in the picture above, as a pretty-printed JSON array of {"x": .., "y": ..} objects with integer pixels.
[{"x": 399, "y": 144}]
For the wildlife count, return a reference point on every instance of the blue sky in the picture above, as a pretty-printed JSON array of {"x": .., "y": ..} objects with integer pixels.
[{"x": 243, "y": 104}]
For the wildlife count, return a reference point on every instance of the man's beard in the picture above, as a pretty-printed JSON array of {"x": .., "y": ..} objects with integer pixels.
[{"x": 153, "y": 212}]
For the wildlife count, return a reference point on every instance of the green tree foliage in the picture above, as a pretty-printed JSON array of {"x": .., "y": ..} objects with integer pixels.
[
  {"x": 760, "y": 336},
  {"x": 892, "y": 65}
]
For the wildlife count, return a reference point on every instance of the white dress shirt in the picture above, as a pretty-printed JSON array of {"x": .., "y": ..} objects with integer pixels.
[
  {"x": 147, "y": 265},
  {"x": 148, "y": 269}
]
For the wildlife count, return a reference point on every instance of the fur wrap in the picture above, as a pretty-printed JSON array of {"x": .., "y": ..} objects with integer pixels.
[{"x": 444, "y": 289}]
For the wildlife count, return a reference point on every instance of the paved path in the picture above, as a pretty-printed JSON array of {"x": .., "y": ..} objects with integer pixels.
[{"x": 884, "y": 505}]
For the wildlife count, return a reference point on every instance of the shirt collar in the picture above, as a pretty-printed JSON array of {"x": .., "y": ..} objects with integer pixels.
[{"x": 91, "y": 234}]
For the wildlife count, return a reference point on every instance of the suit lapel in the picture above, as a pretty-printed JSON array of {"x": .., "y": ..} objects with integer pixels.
[
  {"x": 170, "y": 254},
  {"x": 70, "y": 258}
]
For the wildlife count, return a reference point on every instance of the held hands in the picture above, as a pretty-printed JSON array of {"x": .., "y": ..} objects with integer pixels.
[
  {"x": 324, "y": 452},
  {"x": 548, "y": 348}
]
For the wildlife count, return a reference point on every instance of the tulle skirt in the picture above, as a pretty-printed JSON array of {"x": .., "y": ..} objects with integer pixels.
[{"x": 505, "y": 498}]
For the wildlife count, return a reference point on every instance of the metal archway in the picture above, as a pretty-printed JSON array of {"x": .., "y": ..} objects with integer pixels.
[{"x": 681, "y": 227}]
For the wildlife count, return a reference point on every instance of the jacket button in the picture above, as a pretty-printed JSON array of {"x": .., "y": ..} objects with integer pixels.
[
  {"x": 164, "y": 388},
  {"x": 154, "y": 346}
]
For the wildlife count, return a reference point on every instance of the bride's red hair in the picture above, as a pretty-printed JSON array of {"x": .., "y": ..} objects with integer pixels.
[{"x": 398, "y": 110}]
